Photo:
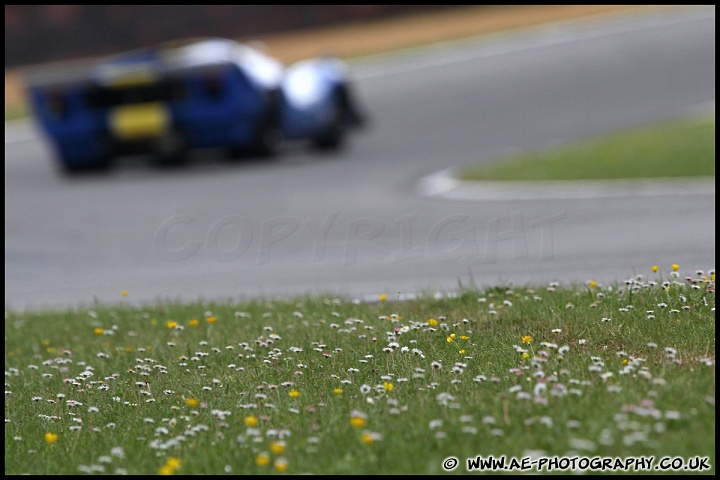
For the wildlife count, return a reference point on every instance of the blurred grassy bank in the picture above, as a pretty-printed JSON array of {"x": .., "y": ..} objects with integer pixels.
[{"x": 680, "y": 148}]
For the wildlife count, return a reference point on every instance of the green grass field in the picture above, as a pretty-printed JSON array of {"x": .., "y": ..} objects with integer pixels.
[
  {"x": 334, "y": 386},
  {"x": 677, "y": 148}
]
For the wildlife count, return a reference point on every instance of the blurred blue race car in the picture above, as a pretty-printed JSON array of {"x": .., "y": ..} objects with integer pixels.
[{"x": 206, "y": 93}]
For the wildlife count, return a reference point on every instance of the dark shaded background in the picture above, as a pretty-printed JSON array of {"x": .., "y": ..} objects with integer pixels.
[{"x": 46, "y": 33}]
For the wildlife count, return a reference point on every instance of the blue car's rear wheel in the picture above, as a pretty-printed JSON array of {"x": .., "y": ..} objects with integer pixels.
[{"x": 170, "y": 150}]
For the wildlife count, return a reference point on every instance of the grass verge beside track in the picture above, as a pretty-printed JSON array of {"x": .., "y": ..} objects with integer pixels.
[
  {"x": 678, "y": 148},
  {"x": 332, "y": 386}
]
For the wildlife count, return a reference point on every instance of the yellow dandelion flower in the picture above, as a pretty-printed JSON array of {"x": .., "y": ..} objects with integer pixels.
[
  {"x": 171, "y": 324},
  {"x": 211, "y": 319},
  {"x": 383, "y": 297},
  {"x": 262, "y": 459},
  {"x": 192, "y": 402},
  {"x": 675, "y": 267},
  {"x": 432, "y": 322},
  {"x": 51, "y": 437},
  {"x": 166, "y": 470},
  {"x": 525, "y": 355},
  {"x": 337, "y": 391},
  {"x": 461, "y": 351},
  {"x": 281, "y": 465},
  {"x": 654, "y": 268},
  {"x": 251, "y": 421},
  {"x": 464, "y": 337},
  {"x": 358, "y": 422},
  {"x": 370, "y": 437},
  {"x": 98, "y": 331},
  {"x": 194, "y": 322},
  {"x": 527, "y": 339},
  {"x": 294, "y": 393},
  {"x": 124, "y": 293},
  {"x": 388, "y": 386},
  {"x": 592, "y": 283},
  {"x": 173, "y": 462},
  {"x": 451, "y": 337},
  {"x": 277, "y": 447}
]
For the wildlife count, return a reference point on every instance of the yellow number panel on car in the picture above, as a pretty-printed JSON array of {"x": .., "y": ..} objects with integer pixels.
[{"x": 135, "y": 122}]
